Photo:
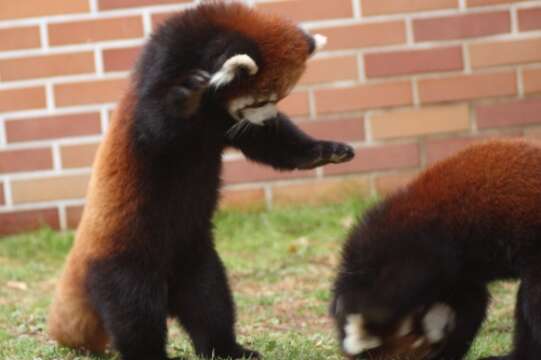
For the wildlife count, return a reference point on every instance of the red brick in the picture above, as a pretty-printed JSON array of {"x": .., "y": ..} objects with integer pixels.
[
  {"x": 532, "y": 80},
  {"x": 505, "y": 52},
  {"x": 466, "y": 87},
  {"x": 90, "y": 92},
  {"x": 158, "y": 19},
  {"x": 509, "y": 114},
  {"x": 389, "y": 183},
  {"x": 333, "y": 69},
  {"x": 25, "y": 160},
  {"x": 22, "y": 99},
  {"x": 423, "y": 121},
  {"x": 378, "y": 158},
  {"x": 52, "y": 127},
  {"x": 120, "y": 59},
  {"x": 529, "y": 19},
  {"x": 239, "y": 171},
  {"x": 364, "y": 35},
  {"x": 35, "y": 8},
  {"x": 381, "y": 7},
  {"x": 413, "y": 61},
  {"x": 296, "y": 104},
  {"x": 73, "y": 216},
  {"x": 77, "y": 156},
  {"x": 476, "y": 3},
  {"x": 46, "y": 66},
  {"x": 2, "y": 198},
  {"x": 363, "y": 97},
  {"x": 49, "y": 188},
  {"x": 318, "y": 9},
  {"x": 437, "y": 150},
  {"x": 95, "y": 30},
  {"x": 19, "y": 221},
  {"x": 336, "y": 130},
  {"x": 120, "y": 4},
  {"x": 18, "y": 38},
  {"x": 462, "y": 26}
]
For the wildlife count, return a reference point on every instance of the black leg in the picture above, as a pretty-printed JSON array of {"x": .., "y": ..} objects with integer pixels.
[
  {"x": 204, "y": 307},
  {"x": 133, "y": 304},
  {"x": 527, "y": 336},
  {"x": 279, "y": 143},
  {"x": 527, "y": 344},
  {"x": 470, "y": 304}
]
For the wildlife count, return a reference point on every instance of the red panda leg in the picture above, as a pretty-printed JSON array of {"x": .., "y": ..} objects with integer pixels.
[
  {"x": 470, "y": 303},
  {"x": 72, "y": 322},
  {"x": 527, "y": 344},
  {"x": 282, "y": 145},
  {"x": 131, "y": 298},
  {"x": 204, "y": 307}
]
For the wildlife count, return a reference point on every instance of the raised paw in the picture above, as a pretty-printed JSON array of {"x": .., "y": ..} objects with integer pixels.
[
  {"x": 197, "y": 81},
  {"x": 183, "y": 100},
  {"x": 328, "y": 152}
]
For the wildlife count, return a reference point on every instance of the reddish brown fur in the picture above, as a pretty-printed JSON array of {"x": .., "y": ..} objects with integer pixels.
[
  {"x": 270, "y": 33},
  {"x": 72, "y": 321},
  {"x": 505, "y": 182}
]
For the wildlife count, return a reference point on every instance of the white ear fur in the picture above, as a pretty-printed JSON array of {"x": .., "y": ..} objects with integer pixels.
[
  {"x": 320, "y": 41},
  {"x": 229, "y": 69}
]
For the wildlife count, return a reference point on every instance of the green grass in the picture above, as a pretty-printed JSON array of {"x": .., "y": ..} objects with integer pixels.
[{"x": 281, "y": 264}]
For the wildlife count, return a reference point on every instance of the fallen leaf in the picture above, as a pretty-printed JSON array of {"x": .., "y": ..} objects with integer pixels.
[{"x": 18, "y": 285}]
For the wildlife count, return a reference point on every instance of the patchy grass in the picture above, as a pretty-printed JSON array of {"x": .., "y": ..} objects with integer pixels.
[{"x": 281, "y": 264}]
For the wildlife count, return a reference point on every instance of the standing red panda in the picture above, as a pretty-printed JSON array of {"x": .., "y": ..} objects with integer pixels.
[
  {"x": 210, "y": 77},
  {"x": 418, "y": 264}
]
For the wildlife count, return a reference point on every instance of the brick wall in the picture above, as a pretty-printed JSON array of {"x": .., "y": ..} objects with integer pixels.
[{"x": 407, "y": 82}]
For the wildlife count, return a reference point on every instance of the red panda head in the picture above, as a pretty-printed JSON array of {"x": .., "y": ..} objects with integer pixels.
[
  {"x": 388, "y": 298},
  {"x": 419, "y": 335},
  {"x": 252, "y": 83}
]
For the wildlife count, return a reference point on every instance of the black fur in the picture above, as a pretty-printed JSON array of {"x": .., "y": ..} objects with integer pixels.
[{"x": 179, "y": 133}]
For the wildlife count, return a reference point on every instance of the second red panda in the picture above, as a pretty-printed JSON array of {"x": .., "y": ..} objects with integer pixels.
[{"x": 417, "y": 265}]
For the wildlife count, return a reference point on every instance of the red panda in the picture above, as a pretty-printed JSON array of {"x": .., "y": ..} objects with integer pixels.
[
  {"x": 417, "y": 265},
  {"x": 209, "y": 78}
]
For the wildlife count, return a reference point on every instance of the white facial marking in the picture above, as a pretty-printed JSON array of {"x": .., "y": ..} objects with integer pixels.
[
  {"x": 357, "y": 340},
  {"x": 418, "y": 343},
  {"x": 435, "y": 322},
  {"x": 229, "y": 69},
  {"x": 240, "y": 103},
  {"x": 320, "y": 41},
  {"x": 258, "y": 115},
  {"x": 242, "y": 108},
  {"x": 406, "y": 327}
]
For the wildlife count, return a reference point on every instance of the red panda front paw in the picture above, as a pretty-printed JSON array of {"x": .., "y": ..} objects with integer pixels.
[
  {"x": 183, "y": 100},
  {"x": 328, "y": 152}
]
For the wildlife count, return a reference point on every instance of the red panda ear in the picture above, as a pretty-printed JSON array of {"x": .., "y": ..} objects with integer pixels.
[
  {"x": 320, "y": 41},
  {"x": 315, "y": 42},
  {"x": 231, "y": 68}
]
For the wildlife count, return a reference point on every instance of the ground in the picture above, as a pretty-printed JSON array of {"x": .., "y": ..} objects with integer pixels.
[{"x": 280, "y": 262}]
